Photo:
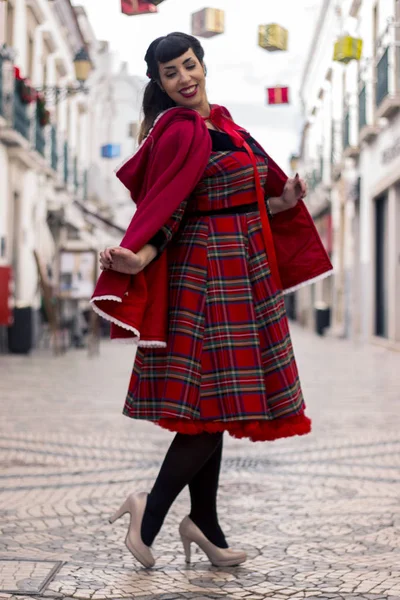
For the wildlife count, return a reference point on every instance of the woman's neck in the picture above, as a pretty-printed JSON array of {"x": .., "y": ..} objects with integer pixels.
[{"x": 204, "y": 109}]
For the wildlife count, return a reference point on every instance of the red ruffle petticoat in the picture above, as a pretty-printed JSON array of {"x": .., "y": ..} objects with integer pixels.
[{"x": 256, "y": 431}]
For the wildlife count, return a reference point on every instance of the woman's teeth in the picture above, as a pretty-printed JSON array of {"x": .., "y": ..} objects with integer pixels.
[{"x": 189, "y": 91}]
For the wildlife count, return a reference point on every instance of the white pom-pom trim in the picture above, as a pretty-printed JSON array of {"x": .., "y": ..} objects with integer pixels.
[
  {"x": 308, "y": 282},
  {"x": 133, "y": 340}
]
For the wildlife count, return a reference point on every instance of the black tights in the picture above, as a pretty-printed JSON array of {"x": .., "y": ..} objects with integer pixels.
[{"x": 192, "y": 460}]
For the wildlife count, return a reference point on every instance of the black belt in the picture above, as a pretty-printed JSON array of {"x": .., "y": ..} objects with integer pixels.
[{"x": 230, "y": 210}]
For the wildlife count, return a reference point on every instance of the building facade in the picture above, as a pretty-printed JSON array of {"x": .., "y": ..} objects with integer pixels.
[
  {"x": 58, "y": 192},
  {"x": 350, "y": 155},
  {"x": 115, "y": 100}
]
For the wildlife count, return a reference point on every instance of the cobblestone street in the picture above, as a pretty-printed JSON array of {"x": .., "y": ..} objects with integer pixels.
[{"x": 319, "y": 516}]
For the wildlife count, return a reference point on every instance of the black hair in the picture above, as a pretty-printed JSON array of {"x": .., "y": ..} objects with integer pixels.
[{"x": 162, "y": 50}]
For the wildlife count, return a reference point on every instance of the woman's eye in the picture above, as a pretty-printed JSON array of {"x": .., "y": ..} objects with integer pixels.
[
  {"x": 170, "y": 75},
  {"x": 190, "y": 67}
]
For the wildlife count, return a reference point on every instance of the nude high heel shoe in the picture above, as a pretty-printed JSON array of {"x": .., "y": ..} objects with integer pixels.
[
  {"x": 135, "y": 505},
  {"x": 219, "y": 557}
]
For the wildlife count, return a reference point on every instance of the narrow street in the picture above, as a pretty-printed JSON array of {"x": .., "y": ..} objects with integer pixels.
[{"x": 319, "y": 515}]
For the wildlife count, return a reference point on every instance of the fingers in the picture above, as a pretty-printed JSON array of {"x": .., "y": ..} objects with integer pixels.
[
  {"x": 303, "y": 188},
  {"x": 300, "y": 185},
  {"x": 106, "y": 260},
  {"x": 104, "y": 266},
  {"x": 108, "y": 254}
]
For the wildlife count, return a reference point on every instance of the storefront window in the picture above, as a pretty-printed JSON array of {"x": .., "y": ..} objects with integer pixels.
[{"x": 381, "y": 266}]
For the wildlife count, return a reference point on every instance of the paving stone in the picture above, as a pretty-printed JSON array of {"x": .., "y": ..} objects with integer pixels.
[{"x": 318, "y": 515}]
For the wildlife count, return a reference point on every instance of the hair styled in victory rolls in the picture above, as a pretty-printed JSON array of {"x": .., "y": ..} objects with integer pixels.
[{"x": 162, "y": 50}]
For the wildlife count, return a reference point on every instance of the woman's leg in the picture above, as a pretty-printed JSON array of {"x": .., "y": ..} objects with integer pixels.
[
  {"x": 185, "y": 457},
  {"x": 203, "y": 494}
]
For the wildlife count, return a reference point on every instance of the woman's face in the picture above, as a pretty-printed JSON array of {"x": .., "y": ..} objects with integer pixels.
[{"x": 183, "y": 79}]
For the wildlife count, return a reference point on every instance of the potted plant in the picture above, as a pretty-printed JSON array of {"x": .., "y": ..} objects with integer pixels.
[
  {"x": 25, "y": 91},
  {"x": 43, "y": 115}
]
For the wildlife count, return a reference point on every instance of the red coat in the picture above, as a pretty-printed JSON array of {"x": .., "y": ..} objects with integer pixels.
[{"x": 160, "y": 175}]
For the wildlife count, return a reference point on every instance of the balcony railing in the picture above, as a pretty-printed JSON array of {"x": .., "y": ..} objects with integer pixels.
[
  {"x": 76, "y": 176},
  {"x": 1, "y": 86},
  {"x": 40, "y": 141},
  {"x": 382, "y": 79},
  {"x": 346, "y": 130},
  {"x": 53, "y": 152},
  {"x": 66, "y": 163},
  {"x": 21, "y": 119},
  {"x": 362, "y": 108},
  {"x": 85, "y": 184}
]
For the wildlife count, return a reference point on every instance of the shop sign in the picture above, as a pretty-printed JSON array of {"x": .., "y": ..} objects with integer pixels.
[{"x": 111, "y": 151}]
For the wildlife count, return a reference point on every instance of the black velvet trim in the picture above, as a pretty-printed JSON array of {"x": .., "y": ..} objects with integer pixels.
[{"x": 221, "y": 142}]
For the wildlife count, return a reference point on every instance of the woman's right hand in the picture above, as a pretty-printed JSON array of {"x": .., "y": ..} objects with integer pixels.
[{"x": 120, "y": 260}]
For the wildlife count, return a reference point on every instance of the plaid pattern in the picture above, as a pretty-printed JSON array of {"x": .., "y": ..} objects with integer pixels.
[{"x": 229, "y": 356}]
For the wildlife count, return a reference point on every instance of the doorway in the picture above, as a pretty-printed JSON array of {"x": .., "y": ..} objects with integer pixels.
[{"x": 381, "y": 266}]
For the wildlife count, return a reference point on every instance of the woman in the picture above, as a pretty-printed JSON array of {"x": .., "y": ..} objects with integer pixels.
[{"x": 197, "y": 283}]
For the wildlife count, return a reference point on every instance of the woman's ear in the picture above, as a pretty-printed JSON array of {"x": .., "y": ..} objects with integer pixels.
[{"x": 205, "y": 69}]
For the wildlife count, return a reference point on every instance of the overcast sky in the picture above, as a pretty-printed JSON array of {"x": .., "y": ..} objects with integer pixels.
[{"x": 238, "y": 70}]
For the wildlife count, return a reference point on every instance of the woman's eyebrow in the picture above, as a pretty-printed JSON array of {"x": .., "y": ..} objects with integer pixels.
[{"x": 184, "y": 62}]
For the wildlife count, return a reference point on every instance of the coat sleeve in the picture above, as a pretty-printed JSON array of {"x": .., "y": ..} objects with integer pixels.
[
  {"x": 175, "y": 165},
  {"x": 167, "y": 232}
]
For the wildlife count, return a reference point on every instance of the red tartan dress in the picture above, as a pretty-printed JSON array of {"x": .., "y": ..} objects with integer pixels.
[{"x": 229, "y": 361}]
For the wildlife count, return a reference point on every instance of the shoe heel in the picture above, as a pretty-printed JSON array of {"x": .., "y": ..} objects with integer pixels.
[
  {"x": 121, "y": 511},
  {"x": 186, "y": 546}
]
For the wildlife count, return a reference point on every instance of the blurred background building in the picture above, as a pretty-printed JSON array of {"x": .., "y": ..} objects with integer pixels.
[
  {"x": 70, "y": 112},
  {"x": 350, "y": 153}
]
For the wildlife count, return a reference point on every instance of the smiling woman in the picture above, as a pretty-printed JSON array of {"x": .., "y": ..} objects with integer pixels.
[
  {"x": 198, "y": 281},
  {"x": 177, "y": 77}
]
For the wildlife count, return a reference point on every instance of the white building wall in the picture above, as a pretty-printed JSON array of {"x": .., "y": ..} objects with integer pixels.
[
  {"x": 27, "y": 183},
  {"x": 354, "y": 219}
]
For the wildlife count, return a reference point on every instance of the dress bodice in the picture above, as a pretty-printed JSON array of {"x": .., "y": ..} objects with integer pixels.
[{"x": 228, "y": 179}]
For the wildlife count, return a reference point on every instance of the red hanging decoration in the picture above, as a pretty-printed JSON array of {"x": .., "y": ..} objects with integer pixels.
[
  {"x": 278, "y": 95},
  {"x": 137, "y": 7}
]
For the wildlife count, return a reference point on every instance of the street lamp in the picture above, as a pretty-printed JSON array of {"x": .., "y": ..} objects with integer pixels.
[{"x": 82, "y": 66}]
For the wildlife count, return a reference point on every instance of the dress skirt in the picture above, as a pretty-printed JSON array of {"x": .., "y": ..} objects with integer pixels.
[{"x": 229, "y": 361}]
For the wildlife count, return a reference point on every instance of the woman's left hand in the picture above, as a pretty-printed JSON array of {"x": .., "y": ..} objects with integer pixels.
[
  {"x": 120, "y": 260},
  {"x": 295, "y": 189}
]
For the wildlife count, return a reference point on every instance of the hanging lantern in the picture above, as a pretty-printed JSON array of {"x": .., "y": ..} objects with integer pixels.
[
  {"x": 208, "y": 22},
  {"x": 278, "y": 95},
  {"x": 347, "y": 48},
  {"x": 82, "y": 65},
  {"x": 272, "y": 37},
  {"x": 137, "y": 7}
]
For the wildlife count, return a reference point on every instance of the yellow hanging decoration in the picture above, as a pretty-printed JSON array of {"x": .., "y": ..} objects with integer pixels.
[
  {"x": 273, "y": 37},
  {"x": 347, "y": 48}
]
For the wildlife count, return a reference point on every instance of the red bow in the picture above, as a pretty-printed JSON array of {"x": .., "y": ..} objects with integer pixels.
[{"x": 220, "y": 119}]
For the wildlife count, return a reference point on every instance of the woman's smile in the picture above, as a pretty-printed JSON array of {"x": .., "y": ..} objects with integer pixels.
[{"x": 189, "y": 92}]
